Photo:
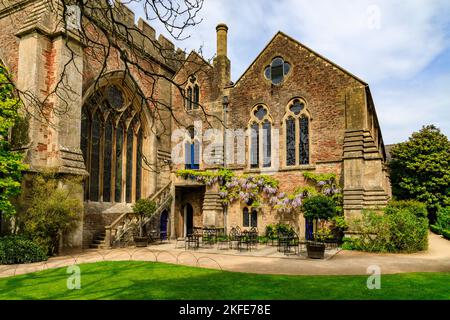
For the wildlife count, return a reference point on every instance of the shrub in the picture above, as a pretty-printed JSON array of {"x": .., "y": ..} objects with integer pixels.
[
  {"x": 399, "y": 231},
  {"x": 49, "y": 210},
  {"x": 408, "y": 233},
  {"x": 16, "y": 250},
  {"x": 419, "y": 209},
  {"x": 319, "y": 207},
  {"x": 436, "y": 229},
  {"x": 144, "y": 208},
  {"x": 443, "y": 218},
  {"x": 446, "y": 234},
  {"x": 272, "y": 230}
]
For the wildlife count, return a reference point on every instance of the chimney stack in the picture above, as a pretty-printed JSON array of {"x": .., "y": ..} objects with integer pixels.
[
  {"x": 222, "y": 64},
  {"x": 222, "y": 39}
]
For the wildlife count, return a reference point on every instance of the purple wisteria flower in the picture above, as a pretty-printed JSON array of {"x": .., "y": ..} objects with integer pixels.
[{"x": 321, "y": 183}]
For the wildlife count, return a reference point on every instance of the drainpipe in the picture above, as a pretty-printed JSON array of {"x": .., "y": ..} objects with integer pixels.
[{"x": 225, "y": 119}]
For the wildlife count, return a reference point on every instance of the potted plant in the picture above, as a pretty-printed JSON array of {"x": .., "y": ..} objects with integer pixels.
[
  {"x": 318, "y": 208},
  {"x": 143, "y": 208}
]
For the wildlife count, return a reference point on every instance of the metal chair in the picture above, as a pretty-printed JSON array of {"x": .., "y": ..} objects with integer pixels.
[{"x": 234, "y": 238}]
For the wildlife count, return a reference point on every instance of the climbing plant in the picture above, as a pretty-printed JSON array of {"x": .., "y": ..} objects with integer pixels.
[
  {"x": 11, "y": 165},
  {"x": 254, "y": 190}
]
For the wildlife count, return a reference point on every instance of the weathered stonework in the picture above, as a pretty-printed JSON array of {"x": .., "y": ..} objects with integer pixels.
[{"x": 344, "y": 133}]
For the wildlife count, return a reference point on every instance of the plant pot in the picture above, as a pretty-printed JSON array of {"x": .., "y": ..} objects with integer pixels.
[
  {"x": 315, "y": 250},
  {"x": 140, "y": 241}
]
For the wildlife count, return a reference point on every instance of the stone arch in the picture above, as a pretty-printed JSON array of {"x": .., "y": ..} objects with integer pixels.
[{"x": 117, "y": 102}]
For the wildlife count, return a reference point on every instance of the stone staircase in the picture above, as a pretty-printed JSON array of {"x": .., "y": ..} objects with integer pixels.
[
  {"x": 123, "y": 226},
  {"x": 99, "y": 241}
]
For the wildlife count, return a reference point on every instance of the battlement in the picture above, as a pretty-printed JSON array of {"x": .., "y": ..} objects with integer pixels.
[{"x": 144, "y": 36}]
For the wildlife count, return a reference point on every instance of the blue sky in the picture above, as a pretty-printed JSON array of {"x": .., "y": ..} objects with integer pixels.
[{"x": 401, "y": 48}]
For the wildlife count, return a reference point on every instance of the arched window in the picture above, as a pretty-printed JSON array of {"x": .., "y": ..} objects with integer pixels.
[
  {"x": 192, "y": 150},
  {"x": 250, "y": 218},
  {"x": 192, "y": 94},
  {"x": 296, "y": 124},
  {"x": 260, "y": 138},
  {"x": 111, "y": 141}
]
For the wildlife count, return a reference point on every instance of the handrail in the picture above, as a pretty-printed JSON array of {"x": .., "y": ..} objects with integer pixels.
[{"x": 113, "y": 225}]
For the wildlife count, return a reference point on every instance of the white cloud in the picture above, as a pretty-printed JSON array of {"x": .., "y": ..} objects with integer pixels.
[{"x": 388, "y": 43}]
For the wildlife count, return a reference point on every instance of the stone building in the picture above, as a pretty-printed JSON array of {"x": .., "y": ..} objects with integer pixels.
[{"x": 302, "y": 113}]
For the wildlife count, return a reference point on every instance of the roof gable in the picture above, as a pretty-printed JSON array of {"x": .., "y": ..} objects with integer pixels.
[{"x": 281, "y": 34}]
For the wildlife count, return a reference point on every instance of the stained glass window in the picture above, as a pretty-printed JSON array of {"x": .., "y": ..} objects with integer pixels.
[
  {"x": 103, "y": 142},
  {"x": 297, "y": 107},
  {"x": 114, "y": 96},
  {"x": 196, "y": 96},
  {"x": 139, "y": 166},
  {"x": 254, "y": 152},
  {"x": 189, "y": 99},
  {"x": 85, "y": 129},
  {"x": 246, "y": 218},
  {"x": 254, "y": 219},
  {"x": 119, "y": 162},
  {"x": 260, "y": 113},
  {"x": 95, "y": 159},
  {"x": 304, "y": 140},
  {"x": 290, "y": 141},
  {"x": 267, "y": 144},
  {"x": 107, "y": 158},
  {"x": 129, "y": 164},
  {"x": 277, "y": 70}
]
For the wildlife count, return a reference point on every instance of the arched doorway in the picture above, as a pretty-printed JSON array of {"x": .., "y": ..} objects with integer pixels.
[
  {"x": 188, "y": 219},
  {"x": 163, "y": 225}
]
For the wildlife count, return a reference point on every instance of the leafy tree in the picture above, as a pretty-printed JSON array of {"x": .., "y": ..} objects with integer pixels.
[
  {"x": 420, "y": 168},
  {"x": 144, "y": 208},
  {"x": 11, "y": 165},
  {"x": 50, "y": 208}
]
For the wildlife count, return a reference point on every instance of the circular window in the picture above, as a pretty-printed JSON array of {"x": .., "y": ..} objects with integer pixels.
[
  {"x": 297, "y": 107},
  {"x": 277, "y": 70},
  {"x": 114, "y": 96}
]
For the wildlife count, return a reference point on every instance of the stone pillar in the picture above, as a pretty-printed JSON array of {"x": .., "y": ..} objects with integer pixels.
[
  {"x": 363, "y": 162},
  {"x": 212, "y": 207},
  {"x": 50, "y": 72}
]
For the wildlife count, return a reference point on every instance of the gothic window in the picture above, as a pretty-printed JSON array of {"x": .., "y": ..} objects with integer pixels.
[
  {"x": 260, "y": 138},
  {"x": 255, "y": 146},
  {"x": 192, "y": 151},
  {"x": 189, "y": 99},
  {"x": 297, "y": 133},
  {"x": 111, "y": 141},
  {"x": 290, "y": 141},
  {"x": 192, "y": 94},
  {"x": 277, "y": 70},
  {"x": 196, "y": 96},
  {"x": 304, "y": 140},
  {"x": 250, "y": 219}
]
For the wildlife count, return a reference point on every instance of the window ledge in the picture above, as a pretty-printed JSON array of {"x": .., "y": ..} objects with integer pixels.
[{"x": 305, "y": 167}]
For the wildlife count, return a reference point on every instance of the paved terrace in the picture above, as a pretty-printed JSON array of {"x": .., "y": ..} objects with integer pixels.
[{"x": 264, "y": 259}]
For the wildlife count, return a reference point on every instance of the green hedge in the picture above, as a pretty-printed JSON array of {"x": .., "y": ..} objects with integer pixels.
[
  {"x": 443, "y": 218},
  {"x": 446, "y": 234},
  {"x": 17, "y": 250},
  {"x": 436, "y": 229},
  {"x": 399, "y": 229},
  {"x": 417, "y": 208}
]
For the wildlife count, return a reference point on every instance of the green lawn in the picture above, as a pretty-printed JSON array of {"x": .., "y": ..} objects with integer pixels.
[{"x": 146, "y": 280}]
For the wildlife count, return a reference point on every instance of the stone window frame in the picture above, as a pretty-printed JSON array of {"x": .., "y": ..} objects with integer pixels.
[
  {"x": 190, "y": 103},
  {"x": 289, "y": 114},
  {"x": 129, "y": 116},
  {"x": 250, "y": 211},
  {"x": 285, "y": 75},
  {"x": 189, "y": 140},
  {"x": 254, "y": 120}
]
